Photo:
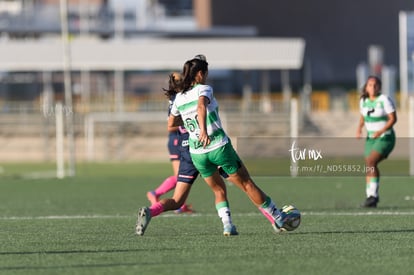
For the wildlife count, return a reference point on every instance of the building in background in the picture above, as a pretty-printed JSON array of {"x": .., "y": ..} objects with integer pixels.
[
  {"x": 337, "y": 33},
  {"x": 111, "y": 104}
]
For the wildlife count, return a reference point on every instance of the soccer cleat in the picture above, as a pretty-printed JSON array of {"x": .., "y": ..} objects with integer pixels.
[
  {"x": 185, "y": 208},
  {"x": 230, "y": 230},
  {"x": 152, "y": 197},
  {"x": 370, "y": 202},
  {"x": 144, "y": 217},
  {"x": 279, "y": 222}
]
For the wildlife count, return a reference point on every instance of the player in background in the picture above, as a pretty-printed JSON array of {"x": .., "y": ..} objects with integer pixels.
[
  {"x": 378, "y": 114},
  {"x": 175, "y": 136},
  {"x": 187, "y": 174},
  {"x": 210, "y": 147}
]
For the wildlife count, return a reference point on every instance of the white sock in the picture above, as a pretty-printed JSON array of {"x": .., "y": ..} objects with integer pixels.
[
  {"x": 223, "y": 211},
  {"x": 372, "y": 187}
]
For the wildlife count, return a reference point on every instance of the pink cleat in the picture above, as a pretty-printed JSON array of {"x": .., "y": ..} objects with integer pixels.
[{"x": 186, "y": 208}]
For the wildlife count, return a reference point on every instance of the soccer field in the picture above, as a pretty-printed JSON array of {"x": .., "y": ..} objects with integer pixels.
[{"x": 85, "y": 225}]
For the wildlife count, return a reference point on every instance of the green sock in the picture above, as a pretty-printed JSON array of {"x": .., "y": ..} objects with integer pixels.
[{"x": 266, "y": 203}]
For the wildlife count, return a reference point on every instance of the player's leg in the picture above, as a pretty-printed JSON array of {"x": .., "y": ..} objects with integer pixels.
[
  {"x": 145, "y": 214},
  {"x": 376, "y": 150},
  {"x": 187, "y": 174},
  {"x": 263, "y": 202},
  {"x": 239, "y": 175},
  {"x": 373, "y": 176},
  {"x": 227, "y": 158},
  {"x": 213, "y": 177},
  {"x": 186, "y": 177},
  {"x": 217, "y": 185},
  {"x": 169, "y": 183},
  {"x": 181, "y": 192}
]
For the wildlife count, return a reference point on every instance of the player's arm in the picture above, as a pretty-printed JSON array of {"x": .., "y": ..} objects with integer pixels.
[
  {"x": 392, "y": 119},
  {"x": 389, "y": 108},
  {"x": 174, "y": 122},
  {"x": 203, "y": 101},
  {"x": 360, "y": 126}
]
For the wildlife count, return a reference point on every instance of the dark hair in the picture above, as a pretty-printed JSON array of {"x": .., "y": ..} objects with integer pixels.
[
  {"x": 364, "y": 93},
  {"x": 175, "y": 83},
  {"x": 201, "y": 57},
  {"x": 190, "y": 70}
]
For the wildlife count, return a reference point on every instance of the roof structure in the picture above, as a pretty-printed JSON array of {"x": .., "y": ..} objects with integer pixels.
[{"x": 152, "y": 54}]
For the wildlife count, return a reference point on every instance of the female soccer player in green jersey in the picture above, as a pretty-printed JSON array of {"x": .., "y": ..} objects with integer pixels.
[
  {"x": 378, "y": 114},
  {"x": 186, "y": 176},
  {"x": 210, "y": 147}
]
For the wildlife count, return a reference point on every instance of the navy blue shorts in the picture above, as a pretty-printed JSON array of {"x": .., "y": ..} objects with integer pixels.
[
  {"x": 187, "y": 172},
  {"x": 174, "y": 145}
]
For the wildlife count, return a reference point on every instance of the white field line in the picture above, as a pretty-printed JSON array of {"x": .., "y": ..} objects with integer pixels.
[{"x": 172, "y": 215}]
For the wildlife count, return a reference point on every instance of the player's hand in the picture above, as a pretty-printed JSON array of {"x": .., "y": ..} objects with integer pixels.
[
  {"x": 204, "y": 139},
  {"x": 376, "y": 134}
]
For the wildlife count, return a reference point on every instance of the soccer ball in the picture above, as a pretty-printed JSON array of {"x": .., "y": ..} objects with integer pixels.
[{"x": 292, "y": 219}]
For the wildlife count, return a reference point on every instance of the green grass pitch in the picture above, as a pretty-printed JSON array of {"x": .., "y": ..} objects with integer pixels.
[{"x": 85, "y": 225}]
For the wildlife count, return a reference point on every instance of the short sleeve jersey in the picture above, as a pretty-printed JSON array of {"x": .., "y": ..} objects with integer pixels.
[
  {"x": 185, "y": 104},
  {"x": 375, "y": 113}
]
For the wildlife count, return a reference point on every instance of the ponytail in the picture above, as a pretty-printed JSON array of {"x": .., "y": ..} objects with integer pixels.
[
  {"x": 190, "y": 70},
  {"x": 187, "y": 76},
  {"x": 175, "y": 85}
]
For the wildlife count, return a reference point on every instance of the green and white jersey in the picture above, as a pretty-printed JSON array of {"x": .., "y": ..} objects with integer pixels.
[
  {"x": 185, "y": 104},
  {"x": 375, "y": 113}
]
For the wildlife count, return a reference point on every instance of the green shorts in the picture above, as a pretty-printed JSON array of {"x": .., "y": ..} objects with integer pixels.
[
  {"x": 383, "y": 145},
  {"x": 224, "y": 156}
]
